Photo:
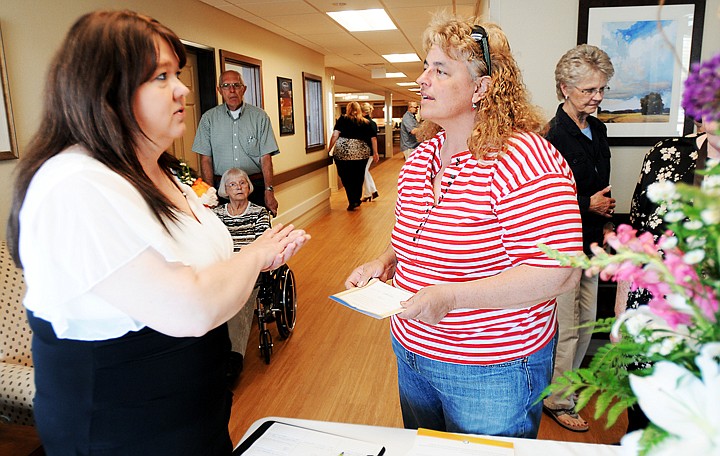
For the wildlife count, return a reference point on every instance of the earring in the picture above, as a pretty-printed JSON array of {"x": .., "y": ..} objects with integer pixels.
[{"x": 474, "y": 106}]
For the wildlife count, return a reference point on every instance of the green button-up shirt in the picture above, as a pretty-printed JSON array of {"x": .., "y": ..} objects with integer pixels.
[{"x": 235, "y": 143}]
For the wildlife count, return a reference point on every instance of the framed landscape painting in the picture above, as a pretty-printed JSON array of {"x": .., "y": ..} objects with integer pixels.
[{"x": 651, "y": 48}]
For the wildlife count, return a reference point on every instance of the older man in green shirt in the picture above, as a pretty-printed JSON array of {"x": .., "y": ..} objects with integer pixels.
[{"x": 238, "y": 135}]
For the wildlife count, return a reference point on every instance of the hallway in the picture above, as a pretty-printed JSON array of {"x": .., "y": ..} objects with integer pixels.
[{"x": 338, "y": 364}]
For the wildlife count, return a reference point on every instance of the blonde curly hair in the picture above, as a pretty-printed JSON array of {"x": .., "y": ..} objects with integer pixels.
[{"x": 505, "y": 108}]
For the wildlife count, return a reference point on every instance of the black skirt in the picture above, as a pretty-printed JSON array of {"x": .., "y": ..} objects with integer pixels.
[{"x": 144, "y": 393}]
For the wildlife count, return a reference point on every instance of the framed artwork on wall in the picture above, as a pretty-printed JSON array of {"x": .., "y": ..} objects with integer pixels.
[
  {"x": 651, "y": 47},
  {"x": 285, "y": 106},
  {"x": 8, "y": 142}
]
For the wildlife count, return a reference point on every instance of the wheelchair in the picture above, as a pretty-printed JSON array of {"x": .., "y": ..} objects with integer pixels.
[{"x": 276, "y": 301}]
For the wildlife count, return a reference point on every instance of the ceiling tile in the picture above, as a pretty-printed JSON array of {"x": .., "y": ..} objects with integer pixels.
[{"x": 351, "y": 54}]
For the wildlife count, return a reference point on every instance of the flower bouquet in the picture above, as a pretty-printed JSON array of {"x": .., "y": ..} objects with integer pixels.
[
  {"x": 204, "y": 191},
  {"x": 674, "y": 341},
  {"x": 666, "y": 357}
]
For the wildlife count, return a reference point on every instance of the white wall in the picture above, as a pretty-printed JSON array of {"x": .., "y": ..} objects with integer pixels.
[{"x": 540, "y": 32}]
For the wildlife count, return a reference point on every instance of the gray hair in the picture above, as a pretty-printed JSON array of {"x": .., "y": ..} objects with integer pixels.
[
  {"x": 578, "y": 63},
  {"x": 233, "y": 172},
  {"x": 220, "y": 79}
]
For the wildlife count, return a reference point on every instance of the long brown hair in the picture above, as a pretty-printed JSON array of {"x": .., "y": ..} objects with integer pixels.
[
  {"x": 91, "y": 84},
  {"x": 505, "y": 109},
  {"x": 354, "y": 112}
]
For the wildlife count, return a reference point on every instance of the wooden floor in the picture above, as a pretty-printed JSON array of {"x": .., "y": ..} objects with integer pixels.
[{"x": 338, "y": 364}]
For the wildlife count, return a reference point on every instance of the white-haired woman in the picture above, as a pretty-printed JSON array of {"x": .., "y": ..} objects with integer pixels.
[
  {"x": 246, "y": 221},
  {"x": 581, "y": 78}
]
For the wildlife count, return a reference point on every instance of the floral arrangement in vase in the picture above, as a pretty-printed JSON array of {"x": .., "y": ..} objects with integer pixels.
[
  {"x": 672, "y": 344},
  {"x": 206, "y": 192}
]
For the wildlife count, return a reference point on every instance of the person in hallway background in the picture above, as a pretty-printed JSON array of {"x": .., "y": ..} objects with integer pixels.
[
  {"x": 475, "y": 343},
  {"x": 130, "y": 279},
  {"x": 350, "y": 150},
  {"x": 369, "y": 189},
  {"x": 670, "y": 160},
  {"x": 408, "y": 129},
  {"x": 246, "y": 221},
  {"x": 237, "y": 134},
  {"x": 581, "y": 78}
]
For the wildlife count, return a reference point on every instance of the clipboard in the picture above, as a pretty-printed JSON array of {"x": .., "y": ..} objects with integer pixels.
[{"x": 277, "y": 438}]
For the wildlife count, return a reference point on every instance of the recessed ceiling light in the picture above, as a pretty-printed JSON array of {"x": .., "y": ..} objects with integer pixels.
[
  {"x": 405, "y": 84},
  {"x": 399, "y": 58},
  {"x": 363, "y": 20},
  {"x": 395, "y": 75}
]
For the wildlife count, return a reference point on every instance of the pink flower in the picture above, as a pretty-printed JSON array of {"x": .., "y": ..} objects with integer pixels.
[
  {"x": 674, "y": 318},
  {"x": 707, "y": 302}
]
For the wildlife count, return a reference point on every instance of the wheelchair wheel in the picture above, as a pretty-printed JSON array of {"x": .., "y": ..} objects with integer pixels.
[
  {"x": 285, "y": 302},
  {"x": 266, "y": 345}
]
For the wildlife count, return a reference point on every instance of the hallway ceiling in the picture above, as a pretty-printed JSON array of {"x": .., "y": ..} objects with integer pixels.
[{"x": 353, "y": 55}]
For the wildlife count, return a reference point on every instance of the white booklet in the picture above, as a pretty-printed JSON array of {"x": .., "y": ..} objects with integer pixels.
[{"x": 377, "y": 299}]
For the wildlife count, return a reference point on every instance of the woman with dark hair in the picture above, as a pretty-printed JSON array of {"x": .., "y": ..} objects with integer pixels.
[
  {"x": 130, "y": 279},
  {"x": 351, "y": 139},
  {"x": 475, "y": 343}
]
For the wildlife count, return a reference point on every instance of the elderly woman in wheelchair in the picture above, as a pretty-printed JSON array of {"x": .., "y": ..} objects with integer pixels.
[{"x": 274, "y": 295}]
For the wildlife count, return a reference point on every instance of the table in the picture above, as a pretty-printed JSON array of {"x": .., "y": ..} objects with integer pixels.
[
  {"x": 19, "y": 440},
  {"x": 399, "y": 441}
]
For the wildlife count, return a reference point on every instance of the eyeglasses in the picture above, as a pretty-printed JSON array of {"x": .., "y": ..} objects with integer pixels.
[
  {"x": 479, "y": 35},
  {"x": 592, "y": 92},
  {"x": 236, "y": 184},
  {"x": 228, "y": 85}
]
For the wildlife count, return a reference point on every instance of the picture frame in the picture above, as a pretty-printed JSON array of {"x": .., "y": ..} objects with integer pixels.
[
  {"x": 652, "y": 47},
  {"x": 8, "y": 141},
  {"x": 285, "y": 106}
]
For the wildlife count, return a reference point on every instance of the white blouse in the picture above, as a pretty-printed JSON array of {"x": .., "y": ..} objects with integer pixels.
[{"x": 79, "y": 223}]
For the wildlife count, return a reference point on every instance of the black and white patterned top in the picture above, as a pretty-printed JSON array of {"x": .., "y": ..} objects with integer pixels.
[
  {"x": 246, "y": 227},
  {"x": 670, "y": 160}
]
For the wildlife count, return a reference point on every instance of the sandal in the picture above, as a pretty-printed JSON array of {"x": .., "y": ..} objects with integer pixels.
[{"x": 561, "y": 417}]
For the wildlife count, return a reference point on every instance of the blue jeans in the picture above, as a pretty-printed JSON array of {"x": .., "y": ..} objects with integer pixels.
[{"x": 496, "y": 399}]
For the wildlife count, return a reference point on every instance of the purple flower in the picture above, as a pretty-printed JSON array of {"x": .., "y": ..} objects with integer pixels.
[{"x": 702, "y": 90}]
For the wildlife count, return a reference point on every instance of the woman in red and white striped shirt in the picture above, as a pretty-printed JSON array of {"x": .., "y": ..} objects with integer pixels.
[{"x": 475, "y": 343}]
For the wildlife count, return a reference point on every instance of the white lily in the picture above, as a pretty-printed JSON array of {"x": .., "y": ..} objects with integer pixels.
[
  {"x": 636, "y": 320},
  {"x": 682, "y": 404}
]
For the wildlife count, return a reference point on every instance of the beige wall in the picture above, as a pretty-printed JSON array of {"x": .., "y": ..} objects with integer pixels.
[{"x": 33, "y": 29}]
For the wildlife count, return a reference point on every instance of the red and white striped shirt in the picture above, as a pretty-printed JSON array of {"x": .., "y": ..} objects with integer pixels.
[{"x": 490, "y": 217}]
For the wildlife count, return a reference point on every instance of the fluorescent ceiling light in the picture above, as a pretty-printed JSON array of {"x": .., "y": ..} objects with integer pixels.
[
  {"x": 363, "y": 20},
  {"x": 415, "y": 89},
  {"x": 400, "y": 58},
  {"x": 407, "y": 84},
  {"x": 395, "y": 75}
]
